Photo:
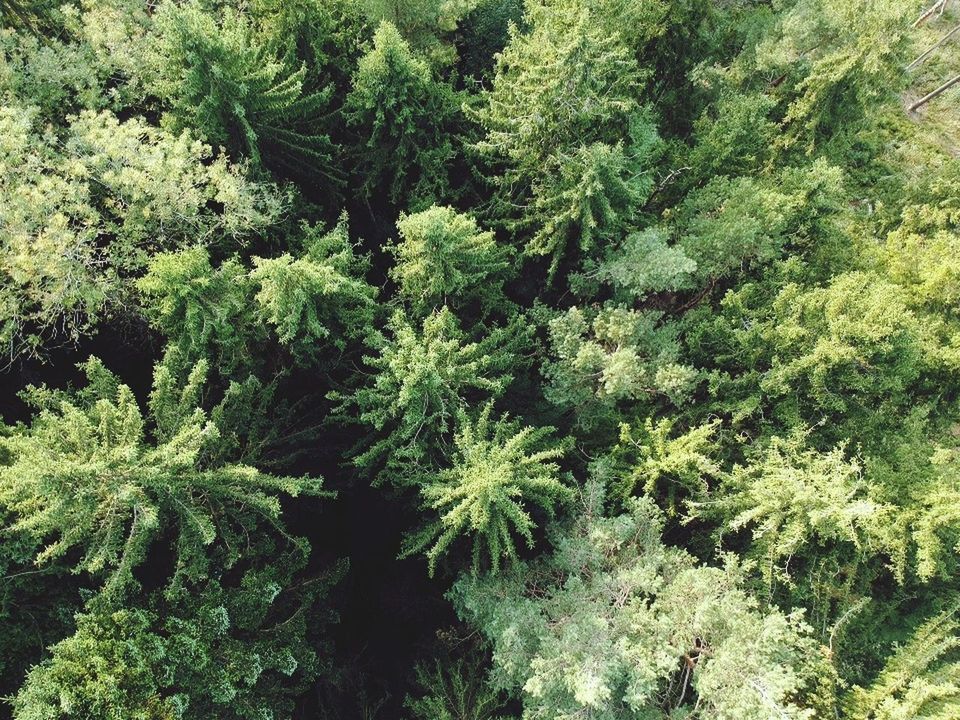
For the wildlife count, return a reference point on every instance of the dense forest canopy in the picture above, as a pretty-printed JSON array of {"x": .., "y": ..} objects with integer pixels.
[{"x": 479, "y": 359}]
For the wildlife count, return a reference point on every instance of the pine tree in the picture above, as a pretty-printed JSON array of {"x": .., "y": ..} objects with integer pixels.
[
  {"x": 443, "y": 258},
  {"x": 128, "y": 488},
  {"x": 403, "y": 118},
  {"x": 499, "y": 470},
  {"x": 421, "y": 377},
  {"x": 222, "y": 78}
]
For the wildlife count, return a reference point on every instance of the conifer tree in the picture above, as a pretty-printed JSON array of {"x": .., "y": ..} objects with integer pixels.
[
  {"x": 498, "y": 471},
  {"x": 403, "y": 119},
  {"x": 223, "y": 79}
]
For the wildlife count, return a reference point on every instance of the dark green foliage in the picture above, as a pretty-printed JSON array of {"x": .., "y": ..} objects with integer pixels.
[{"x": 222, "y": 79}]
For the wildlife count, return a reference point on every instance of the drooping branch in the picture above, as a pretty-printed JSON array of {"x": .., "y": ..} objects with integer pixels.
[{"x": 938, "y": 7}]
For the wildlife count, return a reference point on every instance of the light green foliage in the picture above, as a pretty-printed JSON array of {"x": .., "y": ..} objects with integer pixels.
[
  {"x": 734, "y": 224},
  {"x": 444, "y": 258},
  {"x": 425, "y": 24},
  {"x": 838, "y": 58},
  {"x": 313, "y": 301},
  {"x": 599, "y": 358},
  {"x": 220, "y": 651},
  {"x": 498, "y": 472},
  {"x": 735, "y": 136},
  {"x": 454, "y": 691},
  {"x": 50, "y": 76},
  {"x": 318, "y": 299},
  {"x": 655, "y": 455},
  {"x": 792, "y": 499},
  {"x": 204, "y": 312},
  {"x": 81, "y": 216},
  {"x": 921, "y": 679},
  {"x": 403, "y": 118},
  {"x": 223, "y": 79},
  {"x": 645, "y": 264},
  {"x": 616, "y": 624},
  {"x": 564, "y": 122},
  {"x": 107, "y": 669},
  {"x": 830, "y": 341},
  {"x": 422, "y": 378},
  {"x": 129, "y": 488}
]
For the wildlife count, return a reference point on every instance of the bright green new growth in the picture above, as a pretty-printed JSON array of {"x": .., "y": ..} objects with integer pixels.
[
  {"x": 443, "y": 258},
  {"x": 498, "y": 472},
  {"x": 313, "y": 301},
  {"x": 920, "y": 680},
  {"x": 128, "y": 487}
]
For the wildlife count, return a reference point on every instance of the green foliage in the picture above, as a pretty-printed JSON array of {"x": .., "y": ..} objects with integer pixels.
[
  {"x": 617, "y": 624},
  {"x": 564, "y": 123},
  {"x": 222, "y": 78},
  {"x": 835, "y": 59},
  {"x": 453, "y": 691},
  {"x": 600, "y": 358},
  {"x": 83, "y": 215},
  {"x": 403, "y": 118},
  {"x": 793, "y": 498},
  {"x": 498, "y": 471},
  {"x": 312, "y": 302},
  {"x": 127, "y": 489},
  {"x": 443, "y": 258},
  {"x": 421, "y": 380},
  {"x": 920, "y": 680},
  {"x": 654, "y": 455}
]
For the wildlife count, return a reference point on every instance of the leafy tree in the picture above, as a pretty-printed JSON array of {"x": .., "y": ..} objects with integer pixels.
[
  {"x": 919, "y": 679},
  {"x": 443, "y": 258},
  {"x": 600, "y": 358},
  {"x": 453, "y": 691},
  {"x": 498, "y": 471},
  {"x": 835, "y": 61},
  {"x": 403, "y": 118},
  {"x": 83, "y": 214},
  {"x": 311, "y": 302},
  {"x": 617, "y": 624}
]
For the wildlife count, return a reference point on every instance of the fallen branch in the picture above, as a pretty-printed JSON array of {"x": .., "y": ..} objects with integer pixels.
[
  {"x": 939, "y": 91},
  {"x": 940, "y": 42},
  {"x": 940, "y": 6}
]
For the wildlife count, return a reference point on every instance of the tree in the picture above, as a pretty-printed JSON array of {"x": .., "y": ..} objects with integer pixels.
[
  {"x": 222, "y": 79},
  {"x": 420, "y": 380},
  {"x": 498, "y": 471},
  {"x": 443, "y": 258},
  {"x": 564, "y": 123},
  {"x": 617, "y": 624},
  {"x": 312, "y": 302},
  {"x": 84, "y": 213},
  {"x": 403, "y": 119},
  {"x": 127, "y": 490},
  {"x": 600, "y": 358}
]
